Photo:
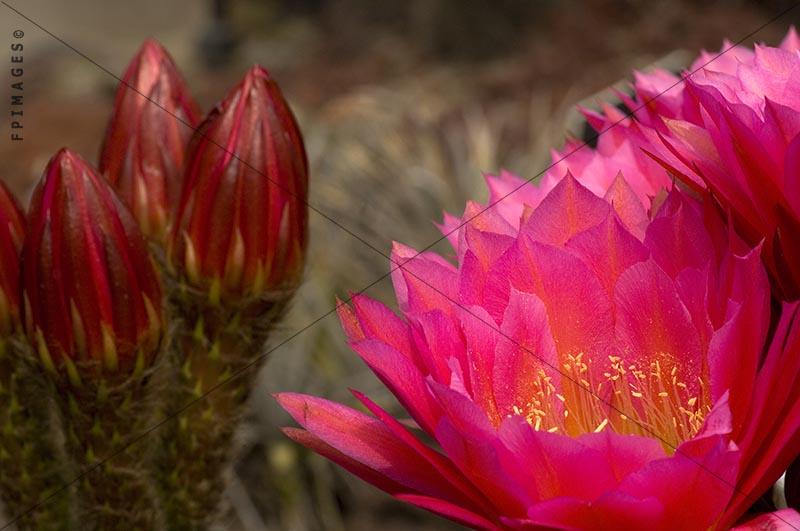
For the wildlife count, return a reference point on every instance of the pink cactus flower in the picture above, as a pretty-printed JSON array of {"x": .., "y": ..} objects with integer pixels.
[
  {"x": 584, "y": 364},
  {"x": 733, "y": 128}
]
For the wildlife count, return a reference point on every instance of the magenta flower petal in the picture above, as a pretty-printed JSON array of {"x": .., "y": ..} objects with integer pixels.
[
  {"x": 403, "y": 378},
  {"x": 449, "y": 510},
  {"x": 442, "y": 465},
  {"x": 629, "y": 208},
  {"x": 618, "y": 249},
  {"x": 702, "y": 475},
  {"x": 376, "y": 321},
  {"x": 625, "y": 454},
  {"x": 579, "y": 312},
  {"x": 368, "y": 441},
  {"x": 566, "y": 211},
  {"x": 678, "y": 239},
  {"x": 765, "y": 459},
  {"x": 312, "y": 442},
  {"x": 697, "y": 491},
  {"x": 614, "y": 510},
  {"x": 565, "y": 467},
  {"x": 469, "y": 440},
  {"x": 412, "y": 293},
  {"x": 772, "y": 521},
  {"x": 480, "y": 340},
  {"x": 515, "y": 371},
  {"x": 668, "y": 329}
]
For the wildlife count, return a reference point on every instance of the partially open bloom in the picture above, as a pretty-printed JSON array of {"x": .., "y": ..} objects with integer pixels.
[
  {"x": 143, "y": 153},
  {"x": 91, "y": 291},
  {"x": 12, "y": 231},
  {"x": 588, "y": 365},
  {"x": 241, "y": 224},
  {"x": 733, "y": 127}
]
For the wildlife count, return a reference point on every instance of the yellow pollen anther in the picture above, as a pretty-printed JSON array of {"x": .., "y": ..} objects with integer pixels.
[
  {"x": 600, "y": 426},
  {"x": 646, "y": 399}
]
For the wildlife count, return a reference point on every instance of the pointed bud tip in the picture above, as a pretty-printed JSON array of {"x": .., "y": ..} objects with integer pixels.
[
  {"x": 66, "y": 156},
  {"x": 152, "y": 47},
  {"x": 257, "y": 72},
  {"x": 65, "y": 164},
  {"x": 147, "y": 59}
]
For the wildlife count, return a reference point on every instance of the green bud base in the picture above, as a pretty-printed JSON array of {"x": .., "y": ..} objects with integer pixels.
[
  {"x": 102, "y": 416},
  {"x": 31, "y": 469},
  {"x": 212, "y": 348}
]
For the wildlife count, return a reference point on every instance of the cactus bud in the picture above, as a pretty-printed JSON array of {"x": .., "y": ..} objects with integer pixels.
[
  {"x": 240, "y": 228},
  {"x": 12, "y": 230},
  {"x": 90, "y": 288},
  {"x": 143, "y": 152}
]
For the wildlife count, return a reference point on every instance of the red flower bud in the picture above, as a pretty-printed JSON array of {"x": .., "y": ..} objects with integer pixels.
[
  {"x": 143, "y": 153},
  {"x": 12, "y": 231},
  {"x": 91, "y": 291},
  {"x": 241, "y": 225}
]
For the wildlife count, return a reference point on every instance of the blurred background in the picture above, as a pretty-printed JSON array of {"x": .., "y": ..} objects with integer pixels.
[{"x": 403, "y": 105}]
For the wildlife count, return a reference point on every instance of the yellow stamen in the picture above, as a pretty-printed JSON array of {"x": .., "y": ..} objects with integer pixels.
[{"x": 649, "y": 400}]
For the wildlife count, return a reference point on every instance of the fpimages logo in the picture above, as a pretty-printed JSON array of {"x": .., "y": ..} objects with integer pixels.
[{"x": 16, "y": 99}]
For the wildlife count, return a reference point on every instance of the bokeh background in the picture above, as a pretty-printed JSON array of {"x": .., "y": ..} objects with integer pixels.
[{"x": 403, "y": 105}]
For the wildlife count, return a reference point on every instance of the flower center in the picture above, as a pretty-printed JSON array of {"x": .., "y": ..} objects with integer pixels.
[{"x": 629, "y": 398}]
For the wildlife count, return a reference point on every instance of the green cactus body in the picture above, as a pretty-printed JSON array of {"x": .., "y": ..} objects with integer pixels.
[
  {"x": 217, "y": 350},
  {"x": 102, "y": 417},
  {"x": 30, "y": 464}
]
